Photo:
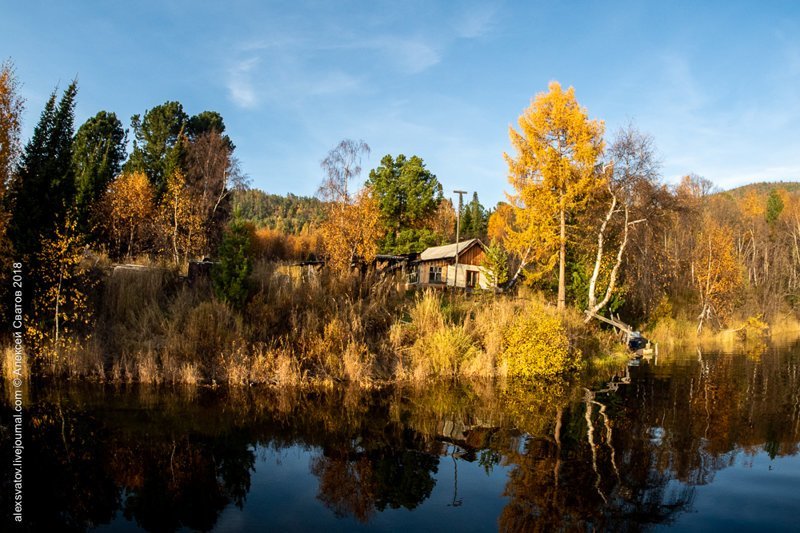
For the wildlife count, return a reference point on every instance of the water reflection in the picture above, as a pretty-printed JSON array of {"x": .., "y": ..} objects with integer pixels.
[{"x": 616, "y": 454}]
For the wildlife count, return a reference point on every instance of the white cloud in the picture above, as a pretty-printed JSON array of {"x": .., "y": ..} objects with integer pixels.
[
  {"x": 240, "y": 84},
  {"x": 311, "y": 59}
]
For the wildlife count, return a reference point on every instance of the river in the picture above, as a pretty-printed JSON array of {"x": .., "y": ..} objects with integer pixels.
[{"x": 695, "y": 440}]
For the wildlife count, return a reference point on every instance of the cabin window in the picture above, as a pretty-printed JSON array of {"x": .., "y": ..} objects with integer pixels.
[
  {"x": 413, "y": 275},
  {"x": 435, "y": 275},
  {"x": 472, "y": 278}
]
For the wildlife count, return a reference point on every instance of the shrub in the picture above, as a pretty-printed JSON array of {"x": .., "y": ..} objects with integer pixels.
[
  {"x": 442, "y": 352},
  {"x": 537, "y": 345}
]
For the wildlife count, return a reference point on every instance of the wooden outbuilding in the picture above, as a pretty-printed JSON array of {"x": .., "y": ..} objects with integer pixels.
[{"x": 436, "y": 266}]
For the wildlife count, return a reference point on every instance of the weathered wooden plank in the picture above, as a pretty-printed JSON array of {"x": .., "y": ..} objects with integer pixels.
[{"x": 619, "y": 325}]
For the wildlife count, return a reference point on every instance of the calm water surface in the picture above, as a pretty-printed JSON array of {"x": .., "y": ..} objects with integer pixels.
[{"x": 694, "y": 441}]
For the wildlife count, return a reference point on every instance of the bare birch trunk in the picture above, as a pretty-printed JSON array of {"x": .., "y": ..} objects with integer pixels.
[{"x": 594, "y": 306}]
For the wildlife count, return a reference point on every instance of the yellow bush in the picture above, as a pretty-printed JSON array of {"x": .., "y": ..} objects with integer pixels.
[{"x": 537, "y": 345}]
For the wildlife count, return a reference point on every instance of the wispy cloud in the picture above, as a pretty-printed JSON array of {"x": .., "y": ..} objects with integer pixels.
[
  {"x": 335, "y": 82},
  {"x": 476, "y": 21},
  {"x": 410, "y": 55},
  {"x": 321, "y": 57},
  {"x": 240, "y": 83},
  {"x": 723, "y": 133}
]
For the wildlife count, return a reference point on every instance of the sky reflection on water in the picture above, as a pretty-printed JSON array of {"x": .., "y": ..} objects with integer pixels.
[{"x": 699, "y": 441}]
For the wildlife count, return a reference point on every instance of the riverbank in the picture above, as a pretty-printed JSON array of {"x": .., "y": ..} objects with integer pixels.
[
  {"x": 306, "y": 327},
  {"x": 742, "y": 331},
  {"x": 150, "y": 325}
]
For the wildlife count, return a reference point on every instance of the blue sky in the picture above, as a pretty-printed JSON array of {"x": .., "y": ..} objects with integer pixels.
[{"x": 717, "y": 84}]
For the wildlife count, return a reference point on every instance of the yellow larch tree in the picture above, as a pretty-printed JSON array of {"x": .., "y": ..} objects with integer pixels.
[
  {"x": 553, "y": 175},
  {"x": 128, "y": 208}
]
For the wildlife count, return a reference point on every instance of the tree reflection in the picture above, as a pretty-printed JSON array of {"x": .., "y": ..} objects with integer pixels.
[
  {"x": 574, "y": 456},
  {"x": 346, "y": 487},
  {"x": 80, "y": 470}
]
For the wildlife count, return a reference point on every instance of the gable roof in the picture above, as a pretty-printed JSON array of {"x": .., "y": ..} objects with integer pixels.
[{"x": 448, "y": 251}]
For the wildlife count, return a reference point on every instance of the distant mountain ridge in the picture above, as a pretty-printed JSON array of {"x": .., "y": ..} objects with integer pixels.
[{"x": 763, "y": 188}]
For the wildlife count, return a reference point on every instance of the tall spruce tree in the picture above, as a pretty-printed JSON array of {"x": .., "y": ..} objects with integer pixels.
[
  {"x": 98, "y": 152},
  {"x": 474, "y": 219},
  {"x": 44, "y": 188},
  {"x": 230, "y": 275}
]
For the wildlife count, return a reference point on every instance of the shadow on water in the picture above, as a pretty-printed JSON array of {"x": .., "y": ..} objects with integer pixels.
[{"x": 620, "y": 455}]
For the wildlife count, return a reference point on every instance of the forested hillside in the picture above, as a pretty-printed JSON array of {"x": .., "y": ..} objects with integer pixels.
[{"x": 290, "y": 214}]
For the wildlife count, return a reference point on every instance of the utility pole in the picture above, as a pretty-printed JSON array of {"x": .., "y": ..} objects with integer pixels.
[{"x": 458, "y": 231}]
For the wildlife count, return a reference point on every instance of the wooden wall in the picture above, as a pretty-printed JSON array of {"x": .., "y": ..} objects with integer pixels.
[
  {"x": 474, "y": 256},
  {"x": 424, "y": 269}
]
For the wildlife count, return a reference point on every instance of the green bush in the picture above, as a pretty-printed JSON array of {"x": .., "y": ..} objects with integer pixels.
[{"x": 537, "y": 346}]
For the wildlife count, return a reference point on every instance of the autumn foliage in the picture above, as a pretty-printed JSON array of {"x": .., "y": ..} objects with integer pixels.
[
  {"x": 127, "y": 211},
  {"x": 553, "y": 176},
  {"x": 716, "y": 272},
  {"x": 351, "y": 231}
]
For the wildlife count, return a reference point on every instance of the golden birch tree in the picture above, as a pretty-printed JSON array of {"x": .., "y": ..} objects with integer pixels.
[
  {"x": 443, "y": 221},
  {"x": 352, "y": 227},
  {"x": 181, "y": 220},
  {"x": 717, "y": 273},
  {"x": 553, "y": 176},
  {"x": 630, "y": 178},
  {"x": 352, "y": 230},
  {"x": 128, "y": 208},
  {"x": 60, "y": 308},
  {"x": 11, "y": 107},
  {"x": 499, "y": 221}
]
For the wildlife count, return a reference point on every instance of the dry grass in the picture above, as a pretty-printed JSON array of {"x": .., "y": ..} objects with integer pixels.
[
  {"x": 82, "y": 360},
  {"x": 123, "y": 370},
  {"x": 784, "y": 325},
  {"x": 10, "y": 362},
  {"x": 298, "y": 326},
  {"x": 189, "y": 374},
  {"x": 677, "y": 331},
  {"x": 680, "y": 331},
  {"x": 147, "y": 368}
]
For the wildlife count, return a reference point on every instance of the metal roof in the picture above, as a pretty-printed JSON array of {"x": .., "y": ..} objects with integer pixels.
[{"x": 448, "y": 251}]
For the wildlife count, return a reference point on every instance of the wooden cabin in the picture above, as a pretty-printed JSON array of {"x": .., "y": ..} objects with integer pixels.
[{"x": 436, "y": 266}]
